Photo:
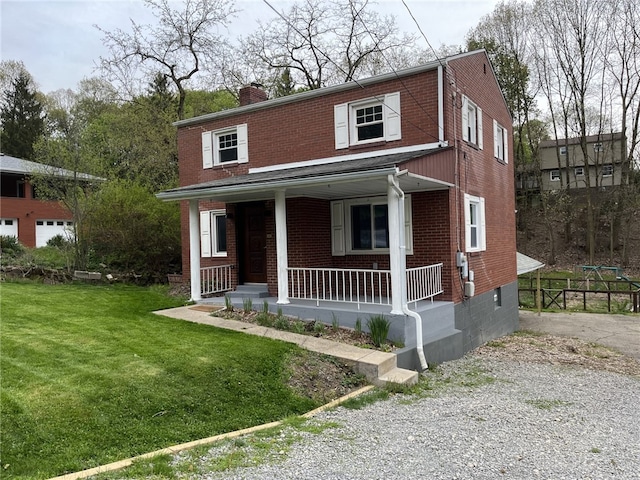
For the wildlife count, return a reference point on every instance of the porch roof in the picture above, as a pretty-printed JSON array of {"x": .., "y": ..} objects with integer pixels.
[{"x": 339, "y": 179}]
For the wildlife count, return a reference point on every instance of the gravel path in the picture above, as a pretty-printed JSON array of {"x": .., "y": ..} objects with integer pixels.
[{"x": 534, "y": 421}]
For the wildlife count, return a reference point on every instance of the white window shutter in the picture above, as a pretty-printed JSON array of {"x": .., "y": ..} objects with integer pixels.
[
  {"x": 465, "y": 118},
  {"x": 207, "y": 153},
  {"x": 337, "y": 229},
  {"x": 243, "y": 150},
  {"x": 480, "y": 142},
  {"x": 505, "y": 142},
  {"x": 467, "y": 223},
  {"x": 496, "y": 140},
  {"x": 392, "y": 118},
  {"x": 341, "y": 122},
  {"x": 482, "y": 240},
  {"x": 205, "y": 234},
  {"x": 408, "y": 225}
]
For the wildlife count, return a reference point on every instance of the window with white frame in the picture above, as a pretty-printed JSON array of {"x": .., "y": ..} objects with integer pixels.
[
  {"x": 554, "y": 175},
  {"x": 598, "y": 147},
  {"x": 475, "y": 226},
  {"x": 213, "y": 233},
  {"x": 471, "y": 122},
  {"x": 563, "y": 151},
  {"x": 361, "y": 226},
  {"x": 368, "y": 120},
  {"x": 500, "y": 146},
  {"x": 607, "y": 170},
  {"x": 221, "y": 147},
  {"x": 579, "y": 171}
]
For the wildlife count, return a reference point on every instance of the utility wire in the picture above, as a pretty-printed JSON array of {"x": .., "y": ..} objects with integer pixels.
[{"x": 380, "y": 99}]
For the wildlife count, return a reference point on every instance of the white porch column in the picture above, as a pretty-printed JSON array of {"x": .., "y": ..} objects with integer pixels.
[
  {"x": 281, "y": 247},
  {"x": 194, "y": 250},
  {"x": 395, "y": 253}
]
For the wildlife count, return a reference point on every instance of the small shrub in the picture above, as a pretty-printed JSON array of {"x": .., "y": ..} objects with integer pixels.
[
  {"x": 265, "y": 307},
  {"x": 282, "y": 323},
  {"x": 298, "y": 327},
  {"x": 379, "y": 329},
  {"x": 318, "y": 327},
  {"x": 264, "y": 319},
  {"x": 228, "y": 304},
  {"x": 9, "y": 245},
  {"x": 247, "y": 305},
  {"x": 335, "y": 323},
  {"x": 58, "y": 241},
  {"x": 358, "y": 327}
]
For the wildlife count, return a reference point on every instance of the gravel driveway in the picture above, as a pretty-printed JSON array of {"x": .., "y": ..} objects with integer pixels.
[{"x": 520, "y": 421}]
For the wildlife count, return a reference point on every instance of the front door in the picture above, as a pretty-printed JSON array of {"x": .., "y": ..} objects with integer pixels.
[{"x": 254, "y": 244}]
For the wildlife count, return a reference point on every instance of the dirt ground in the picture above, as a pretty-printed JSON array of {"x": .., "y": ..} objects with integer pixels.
[{"x": 323, "y": 378}]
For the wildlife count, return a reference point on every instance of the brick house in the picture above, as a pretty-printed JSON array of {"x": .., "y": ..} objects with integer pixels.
[
  {"x": 31, "y": 220},
  {"x": 391, "y": 195}
]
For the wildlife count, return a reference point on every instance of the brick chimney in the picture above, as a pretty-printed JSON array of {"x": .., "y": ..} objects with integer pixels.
[{"x": 252, "y": 94}]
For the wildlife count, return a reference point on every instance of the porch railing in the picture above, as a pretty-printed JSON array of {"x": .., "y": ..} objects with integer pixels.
[
  {"x": 215, "y": 279},
  {"x": 362, "y": 286},
  {"x": 424, "y": 282},
  {"x": 341, "y": 285}
]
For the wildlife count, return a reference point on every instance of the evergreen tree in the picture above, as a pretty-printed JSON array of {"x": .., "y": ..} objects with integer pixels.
[{"x": 22, "y": 119}]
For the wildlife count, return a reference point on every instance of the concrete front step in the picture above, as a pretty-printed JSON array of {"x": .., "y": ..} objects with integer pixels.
[
  {"x": 248, "y": 291},
  {"x": 399, "y": 376}
]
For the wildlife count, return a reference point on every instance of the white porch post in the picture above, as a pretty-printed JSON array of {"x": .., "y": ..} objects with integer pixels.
[
  {"x": 194, "y": 250},
  {"x": 395, "y": 253},
  {"x": 281, "y": 247}
]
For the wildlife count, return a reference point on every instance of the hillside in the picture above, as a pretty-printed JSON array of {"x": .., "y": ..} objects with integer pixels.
[{"x": 572, "y": 254}]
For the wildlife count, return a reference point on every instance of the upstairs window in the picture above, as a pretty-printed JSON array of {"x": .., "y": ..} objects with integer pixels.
[
  {"x": 366, "y": 121},
  {"x": 471, "y": 122},
  {"x": 554, "y": 175},
  {"x": 563, "y": 151},
  {"x": 369, "y": 122},
  {"x": 597, "y": 147},
  {"x": 607, "y": 170},
  {"x": 500, "y": 147},
  {"x": 579, "y": 171},
  {"x": 225, "y": 146}
]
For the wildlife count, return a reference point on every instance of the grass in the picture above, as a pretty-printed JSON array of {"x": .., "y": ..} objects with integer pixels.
[{"x": 90, "y": 376}]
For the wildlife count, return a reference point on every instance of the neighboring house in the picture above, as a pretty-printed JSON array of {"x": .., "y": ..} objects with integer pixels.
[
  {"x": 315, "y": 198},
  {"x": 31, "y": 220},
  {"x": 605, "y": 154}
]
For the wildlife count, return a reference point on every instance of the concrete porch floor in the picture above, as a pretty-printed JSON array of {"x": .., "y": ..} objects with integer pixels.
[{"x": 378, "y": 367}]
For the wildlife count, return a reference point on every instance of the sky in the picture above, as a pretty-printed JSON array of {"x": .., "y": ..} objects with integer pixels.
[{"x": 59, "y": 44}]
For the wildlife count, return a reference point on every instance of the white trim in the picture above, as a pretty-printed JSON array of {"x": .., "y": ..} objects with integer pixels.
[
  {"x": 194, "y": 250},
  {"x": 281, "y": 247},
  {"x": 210, "y": 146},
  {"x": 207, "y": 151},
  {"x": 346, "y": 158},
  {"x": 481, "y": 228},
  {"x": 392, "y": 118},
  {"x": 337, "y": 229},
  {"x": 341, "y": 125},
  {"x": 440, "y": 103}
]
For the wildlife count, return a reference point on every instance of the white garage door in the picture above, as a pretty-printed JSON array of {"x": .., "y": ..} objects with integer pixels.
[
  {"x": 47, "y": 229},
  {"x": 9, "y": 227}
]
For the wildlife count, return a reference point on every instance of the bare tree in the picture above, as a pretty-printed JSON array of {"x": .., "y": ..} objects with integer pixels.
[
  {"x": 324, "y": 42},
  {"x": 182, "y": 43}
]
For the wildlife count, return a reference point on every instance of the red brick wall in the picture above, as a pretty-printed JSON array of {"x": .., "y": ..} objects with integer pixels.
[
  {"x": 483, "y": 175},
  {"x": 27, "y": 210}
]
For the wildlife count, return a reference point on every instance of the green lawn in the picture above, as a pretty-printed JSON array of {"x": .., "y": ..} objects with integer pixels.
[{"x": 90, "y": 376}]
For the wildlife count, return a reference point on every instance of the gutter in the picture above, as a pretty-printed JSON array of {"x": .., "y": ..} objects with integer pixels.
[{"x": 393, "y": 183}]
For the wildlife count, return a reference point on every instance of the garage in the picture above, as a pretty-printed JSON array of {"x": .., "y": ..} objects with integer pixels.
[
  {"x": 47, "y": 229},
  {"x": 9, "y": 227}
]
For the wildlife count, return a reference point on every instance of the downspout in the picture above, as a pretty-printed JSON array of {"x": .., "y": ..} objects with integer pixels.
[{"x": 393, "y": 183}]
